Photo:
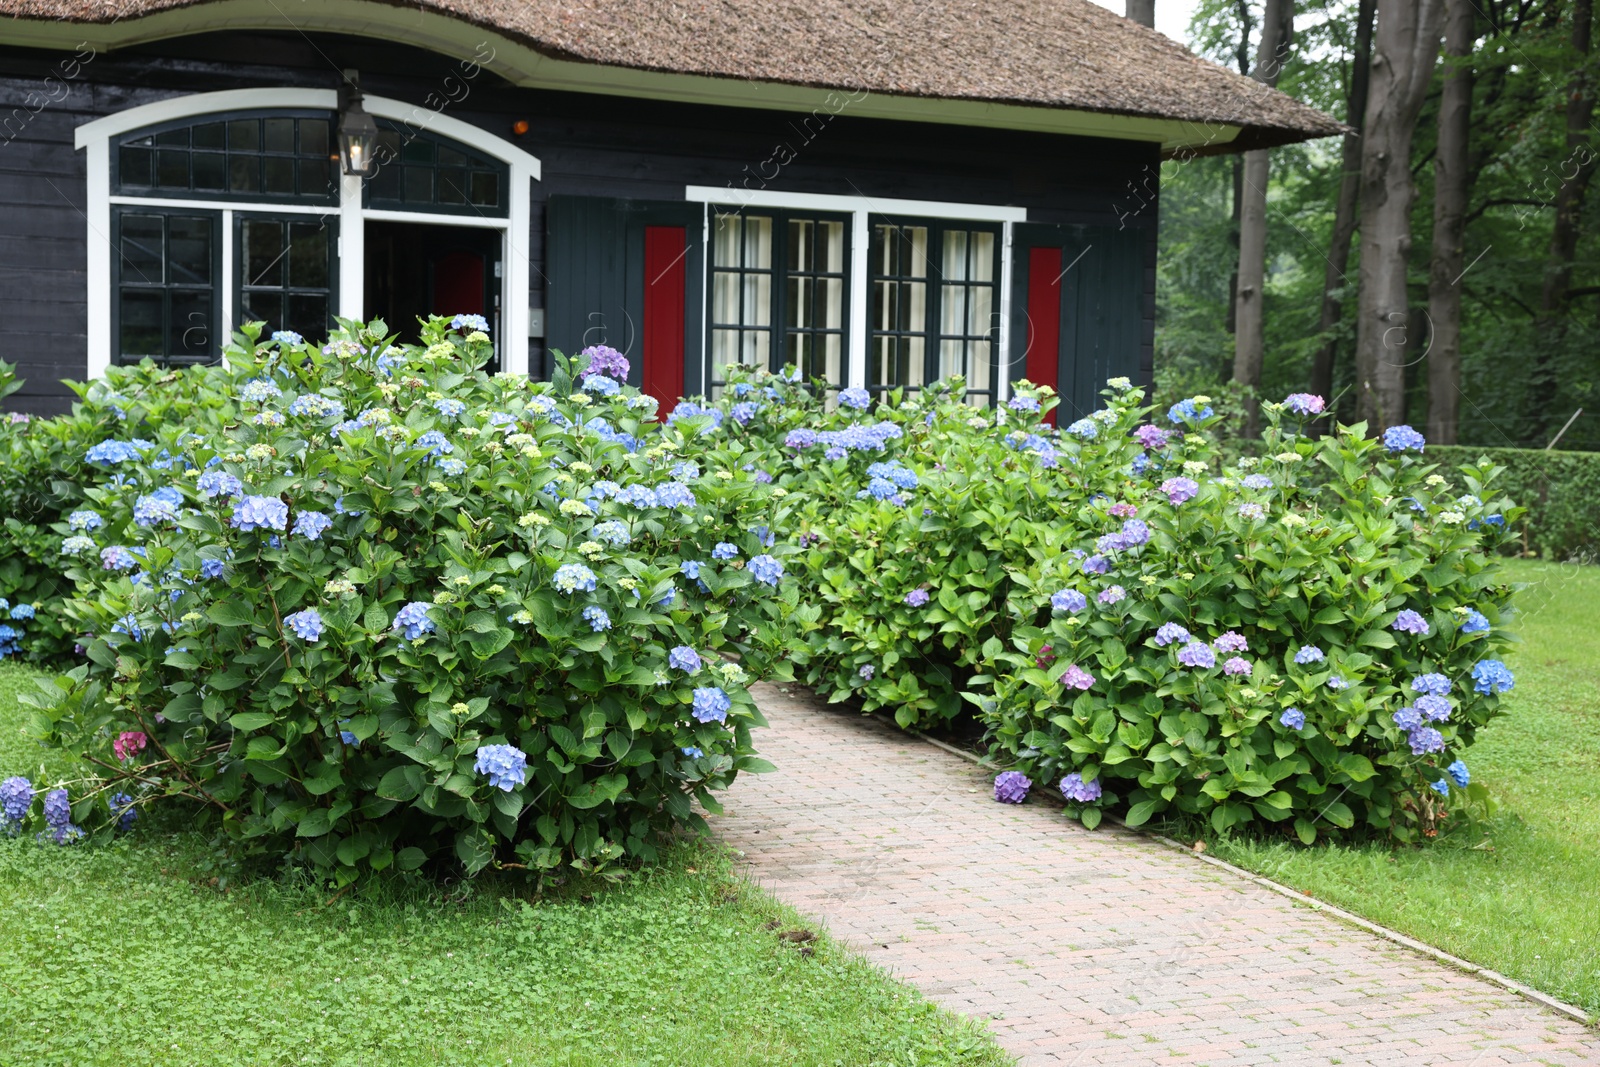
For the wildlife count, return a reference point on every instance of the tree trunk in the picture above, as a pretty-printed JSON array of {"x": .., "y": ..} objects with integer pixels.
[
  {"x": 1334, "y": 281},
  {"x": 1404, "y": 49},
  {"x": 1249, "y": 339},
  {"x": 1450, "y": 196},
  {"x": 1230, "y": 323},
  {"x": 1141, "y": 11},
  {"x": 1575, "y": 171}
]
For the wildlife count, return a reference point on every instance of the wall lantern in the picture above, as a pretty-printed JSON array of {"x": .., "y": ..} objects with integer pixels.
[{"x": 358, "y": 134}]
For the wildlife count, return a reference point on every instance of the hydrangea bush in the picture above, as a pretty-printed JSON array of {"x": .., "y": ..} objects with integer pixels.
[
  {"x": 383, "y": 606},
  {"x": 1308, "y": 639}
]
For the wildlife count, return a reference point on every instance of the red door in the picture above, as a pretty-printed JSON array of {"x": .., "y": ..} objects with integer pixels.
[
  {"x": 1044, "y": 318},
  {"x": 458, "y": 284},
  {"x": 665, "y": 277}
]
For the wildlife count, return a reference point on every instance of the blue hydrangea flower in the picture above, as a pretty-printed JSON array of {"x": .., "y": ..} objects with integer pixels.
[
  {"x": 1073, "y": 787},
  {"x": 1459, "y": 774},
  {"x": 859, "y": 399},
  {"x": 639, "y": 496},
  {"x": 574, "y": 578},
  {"x": 1337, "y": 682},
  {"x": 260, "y": 513},
  {"x": 1426, "y": 739},
  {"x": 306, "y": 624},
  {"x": 470, "y": 323},
  {"x": 16, "y": 797},
  {"x": 215, "y": 483},
  {"x": 1292, "y": 718},
  {"x": 764, "y": 568},
  {"x": 113, "y": 451},
  {"x": 1068, "y": 600},
  {"x": 414, "y": 620},
  {"x": 259, "y": 391},
  {"x": 1096, "y": 565},
  {"x": 1437, "y": 684},
  {"x": 317, "y": 406},
  {"x": 57, "y": 807},
  {"x": 22, "y": 612},
  {"x": 725, "y": 551},
  {"x": 346, "y": 736},
  {"x": 674, "y": 495},
  {"x": 1308, "y": 654},
  {"x": 1197, "y": 654},
  {"x": 311, "y": 525},
  {"x": 685, "y": 470},
  {"x": 1442, "y": 787},
  {"x": 917, "y": 598},
  {"x": 611, "y": 532},
  {"x": 1407, "y": 718},
  {"x": 117, "y": 558},
  {"x": 85, "y": 520},
  {"x": 879, "y": 489},
  {"x": 76, "y": 545},
  {"x": 1029, "y": 404},
  {"x": 435, "y": 442},
  {"x": 1188, "y": 411},
  {"x": 1492, "y": 676},
  {"x": 691, "y": 568},
  {"x": 1401, "y": 438},
  {"x": 1087, "y": 429},
  {"x": 667, "y": 598},
  {"x": 711, "y": 704},
  {"x": 688, "y": 410},
  {"x": 211, "y": 568},
  {"x": 122, "y": 810},
  {"x": 1434, "y": 708},
  {"x": 1011, "y": 787},
  {"x": 692, "y": 751},
  {"x": 1410, "y": 622},
  {"x": 597, "y": 618},
  {"x": 455, "y": 468},
  {"x": 866, "y": 671},
  {"x": 1170, "y": 632},
  {"x": 506, "y": 766},
  {"x": 1112, "y": 594},
  {"x": 448, "y": 407},
  {"x": 684, "y": 658},
  {"x": 1475, "y": 623},
  {"x": 287, "y": 337},
  {"x": 1256, "y": 481}
]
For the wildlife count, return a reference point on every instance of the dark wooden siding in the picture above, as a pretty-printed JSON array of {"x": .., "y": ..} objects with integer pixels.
[{"x": 589, "y": 145}]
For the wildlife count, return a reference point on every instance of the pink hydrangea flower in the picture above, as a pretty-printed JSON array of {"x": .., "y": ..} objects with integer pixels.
[
  {"x": 129, "y": 744},
  {"x": 1077, "y": 678},
  {"x": 1236, "y": 665}
]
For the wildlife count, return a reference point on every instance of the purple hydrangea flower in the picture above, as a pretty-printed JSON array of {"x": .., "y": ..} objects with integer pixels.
[
  {"x": 711, "y": 704},
  {"x": 1068, "y": 600},
  {"x": 1075, "y": 677},
  {"x": 311, "y": 525},
  {"x": 117, "y": 558},
  {"x": 855, "y": 398},
  {"x": 16, "y": 797},
  {"x": 684, "y": 658},
  {"x": 800, "y": 438},
  {"x": 1308, "y": 654},
  {"x": 122, "y": 810},
  {"x": 57, "y": 807},
  {"x": 1407, "y": 718},
  {"x": 867, "y": 671},
  {"x": 1180, "y": 490},
  {"x": 1232, "y": 641},
  {"x": 1401, "y": 438},
  {"x": 1304, "y": 403},
  {"x": 1292, "y": 719},
  {"x": 1112, "y": 594},
  {"x": 1434, "y": 708},
  {"x": 1170, "y": 632},
  {"x": 1096, "y": 565},
  {"x": 917, "y": 597},
  {"x": 1426, "y": 739},
  {"x": 1410, "y": 622},
  {"x": 1492, "y": 676},
  {"x": 1011, "y": 787},
  {"x": 1337, "y": 682},
  {"x": 1236, "y": 665},
  {"x": 1152, "y": 437},
  {"x": 306, "y": 624},
  {"x": 1197, "y": 654},
  {"x": 603, "y": 359},
  {"x": 1134, "y": 532},
  {"x": 506, "y": 766},
  {"x": 1437, "y": 684},
  {"x": 1029, "y": 404},
  {"x": 1073, "y": 787}
]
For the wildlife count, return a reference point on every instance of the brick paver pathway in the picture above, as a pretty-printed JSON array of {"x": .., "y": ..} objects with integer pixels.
[{"x": 1091, "y": 948}]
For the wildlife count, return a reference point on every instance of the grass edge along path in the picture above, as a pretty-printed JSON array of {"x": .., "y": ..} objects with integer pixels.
[{"x": 103, "y": 950}]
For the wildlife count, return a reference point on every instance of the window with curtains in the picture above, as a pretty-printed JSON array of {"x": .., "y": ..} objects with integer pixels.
[
  {"x": 933, "y": 287},
  {"x": 780, "y": 293}
]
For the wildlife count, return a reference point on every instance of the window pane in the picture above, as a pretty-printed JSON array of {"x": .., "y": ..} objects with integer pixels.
[
  {"x": 141, "y": 323},
  {"x": 308, "y": 314},
  {"x": 210, "y": 171},
  {"x": 417, "y": 150},
  {"x": 385, "y": 184},
  {"x": 141, "y": 249},
  {"x": 955, "y": 256},
  {"x": 982, "y": 256},
  {"x": 452, "y": 185},
  {"x": 450, "y": 157},
  {"x": 953, "y": 313},
  {"x": 756, "y": 347},
  {"x": 980, "y": 299},
  {"x": 800, "y": 251},
  {"x": 263, "y": 252},
  {"x": 758, "y": 243},
  {"x": 280, "y": 135},
  {"x": 952, "y": 358},
  {"x": 832, "y": 251},
  {"x": 280, "y": 176},
  {"x": 758, "y": 299},
  {"x": 264, "y": 305},
  {"x": 725, "y": 297},
  {"x": 244, "y": 174},
  {"x": 172, "y": 169},
  {"x": 833, "y": 303},
  {"x": 724, "y": 347},
  {"x": 308, "y": 256},
  {"x": 315, "y": 178},
  {"x": 799, "y": 312},
  {"x": 314, "y": 137},
  {"x": 189, "y": 250},
  {"x": 135, "y": 166},
  {"x": 189, "y": 332},
  {"x": 210, "y": 135},
  {"x": 173, "y": 138},
  {"x": 725, "y": 241},
  {"x": 418, "y": 185},
  {"x": 244, "y": 135},
  {"x": 485, "y": 189}
]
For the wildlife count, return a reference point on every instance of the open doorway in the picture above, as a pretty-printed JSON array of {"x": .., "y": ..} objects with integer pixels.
[{"x": 414, "y": 270}]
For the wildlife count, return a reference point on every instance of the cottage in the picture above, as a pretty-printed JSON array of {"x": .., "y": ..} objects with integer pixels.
[{"x": 884, "y": 193}]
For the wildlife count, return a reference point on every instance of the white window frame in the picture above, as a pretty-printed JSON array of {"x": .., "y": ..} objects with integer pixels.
[
  {"x": 859, "y": 208},
  {"x": 95, "y": 139}
]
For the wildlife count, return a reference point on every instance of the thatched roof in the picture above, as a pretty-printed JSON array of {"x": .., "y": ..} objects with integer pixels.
[{"x": 1052, "y": 54}]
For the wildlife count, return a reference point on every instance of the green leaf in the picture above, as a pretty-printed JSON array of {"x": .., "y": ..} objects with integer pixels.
[
  {"x": 401, "y": 783},
  {"x": 1090, "y": 817},
  {"x": 409, "y": 859},
  {"x": 473, "y": 850},
  {"x": 1139, "y": 814},
  {"x": 246, "y": 721},
  {"x": 231, "y": 613},
  {"x": 314, "y": 823},
  {"x": 1357, "y": 766}
]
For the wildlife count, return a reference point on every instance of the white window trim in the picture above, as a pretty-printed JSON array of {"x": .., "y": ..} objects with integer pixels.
[
  {"x": 860, "y": 209},
  {"x": 95, "y": 139}
]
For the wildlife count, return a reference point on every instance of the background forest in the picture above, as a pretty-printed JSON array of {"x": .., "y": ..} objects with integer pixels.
[{"x": 1502, "y": 290}]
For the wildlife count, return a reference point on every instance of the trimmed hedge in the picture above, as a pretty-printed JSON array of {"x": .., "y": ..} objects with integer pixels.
[{"x": 1560, "y": 490}]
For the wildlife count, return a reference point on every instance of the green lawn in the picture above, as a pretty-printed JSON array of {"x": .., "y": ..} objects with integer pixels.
[
  {"x": 128, "y": 955},
  {"x": 1525, "y": 901}
]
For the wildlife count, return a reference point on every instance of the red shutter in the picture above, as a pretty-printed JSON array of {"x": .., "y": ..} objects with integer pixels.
[
  {"x": 1044, "y": 318},
  {"x": 665, "y": 278}
]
